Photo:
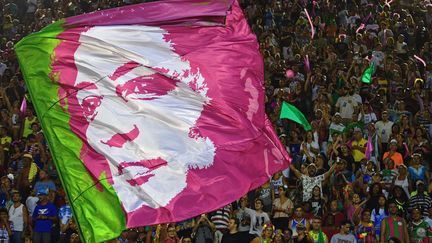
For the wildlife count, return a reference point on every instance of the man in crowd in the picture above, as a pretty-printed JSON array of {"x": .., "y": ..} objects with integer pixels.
[{"x": 344, "y": 234}]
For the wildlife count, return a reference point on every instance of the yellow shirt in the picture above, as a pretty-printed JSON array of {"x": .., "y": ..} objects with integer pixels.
[
  {"x": 5, "y": 140},
  {"x": 315, "y": 236},
  {"x": 357, "y": 154},
  {"x": 27, "y": 126}
]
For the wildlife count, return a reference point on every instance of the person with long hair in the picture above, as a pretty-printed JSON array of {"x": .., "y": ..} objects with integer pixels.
[
  {"x": 402, "y": 146},
  {"x": 317, "y": 202},
  {"x": 402, "y": 179},
  {"x": 399, "y": 197},
  {"x": 354, "y": 207},
  {"x": 420, "y": 141},
  {"x": 375, "y": 192},
  {"x": 407, "y": 129},
  {"x": 379, "y": 213},
  {"x": 282, "y": 209}
]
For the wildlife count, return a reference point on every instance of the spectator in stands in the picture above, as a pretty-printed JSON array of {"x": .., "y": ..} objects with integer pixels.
[
  {"x": 344, "y": 234},
  {"x": 44, "y": 216}
]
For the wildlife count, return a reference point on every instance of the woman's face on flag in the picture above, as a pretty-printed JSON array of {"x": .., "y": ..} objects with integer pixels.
[{"x": 142, "y": 107}]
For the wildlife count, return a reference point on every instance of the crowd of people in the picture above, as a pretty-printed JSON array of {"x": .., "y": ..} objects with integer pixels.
[{"x": 361, "y": 174}]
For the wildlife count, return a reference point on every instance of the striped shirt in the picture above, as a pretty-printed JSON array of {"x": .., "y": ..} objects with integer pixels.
[
  {"x": 221, "y": 217},
  {"x": 422, "y": 202}
]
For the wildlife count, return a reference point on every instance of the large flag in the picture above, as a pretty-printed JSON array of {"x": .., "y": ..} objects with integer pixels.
[
  {"x": 291, "y": 112},
  {"x": 153, "y": 112}
]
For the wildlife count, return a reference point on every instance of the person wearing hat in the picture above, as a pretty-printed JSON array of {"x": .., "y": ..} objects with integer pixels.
[
  {"x": 420, "y": 199},
  {"x": 336, "y": 126},
  {"x": 393, "y": 155},
  {"x": 358, "y": 148},
  {"x": 310, "y": 180},
  {"x": 344, "y": 234},
  {"x": 416, "y": 170},
  {"x": 44, "y": 216},
  {"x": 402, "y": 178}
]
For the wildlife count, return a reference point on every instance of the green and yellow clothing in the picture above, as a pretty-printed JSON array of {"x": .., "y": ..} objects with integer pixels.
[
  {"x": 318, "y": 237},
  {"x": 357, "y": 154},
  {"x": 420, "y": 231},
  {"x": 27, "y": 126},
  {"x": 6, "y": 140}
]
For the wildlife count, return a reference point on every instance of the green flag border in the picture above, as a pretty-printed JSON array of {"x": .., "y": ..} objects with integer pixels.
[{"x": 35, "y": 55}]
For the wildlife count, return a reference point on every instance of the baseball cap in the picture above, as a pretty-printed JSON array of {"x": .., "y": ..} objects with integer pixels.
[
  {"x": 28, "y": 156},
  {"x": 42, "y": 192},
  {"x": 337, "y": 114},
  {"x": 416, "y": 154},
  {"x": 393, "y": 141},
  {"x": 419, "y": 182},
  {"x": 357, "y": 129},
  {"x": 401, "y": 166}
]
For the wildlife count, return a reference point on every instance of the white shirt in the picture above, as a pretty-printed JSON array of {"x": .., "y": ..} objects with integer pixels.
[
  {"x": 257, "y": 221},
  {"x": 16, "y": 216},
  {"x": 31, "y": 204},
  {"x": 367, "y": 118},
  {"x": 309, "y": 183},
  {"x": 335, "y": 127},
  {"x": 384, "y": 130},
  {"x": 346, "y": 105}
]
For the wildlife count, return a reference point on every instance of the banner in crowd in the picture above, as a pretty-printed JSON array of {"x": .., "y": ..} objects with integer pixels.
[{"x": 153, "y": 112}]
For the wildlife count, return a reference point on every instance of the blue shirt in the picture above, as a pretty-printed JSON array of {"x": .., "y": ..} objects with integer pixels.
[
  {"x": 417, "y": 174},
  {"x": 44, "y": 225}
]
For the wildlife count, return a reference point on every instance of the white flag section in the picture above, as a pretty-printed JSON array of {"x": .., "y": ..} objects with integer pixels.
[{"x": 146, "y": 134}]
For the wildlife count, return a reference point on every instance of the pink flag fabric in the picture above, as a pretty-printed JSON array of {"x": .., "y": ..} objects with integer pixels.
[
  {"x": 369, "y": 147},
  {"x": 23, "y": 107},
  {"x": 168, "y": 100}
]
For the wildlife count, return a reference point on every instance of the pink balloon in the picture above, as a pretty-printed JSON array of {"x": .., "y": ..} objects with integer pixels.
[{"x": 289, "y": 73}]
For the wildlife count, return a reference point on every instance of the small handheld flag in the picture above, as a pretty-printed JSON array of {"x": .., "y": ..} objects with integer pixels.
[
  {"x": 290, "y": 112},
  {"x": 23, "y": 107},
  {"x": 367, "y": 75}
]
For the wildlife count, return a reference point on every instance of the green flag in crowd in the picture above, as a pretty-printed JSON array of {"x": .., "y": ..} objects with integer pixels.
[
  {"x": 289, "y": 111},
  {"x": 367, "y": 75}
]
